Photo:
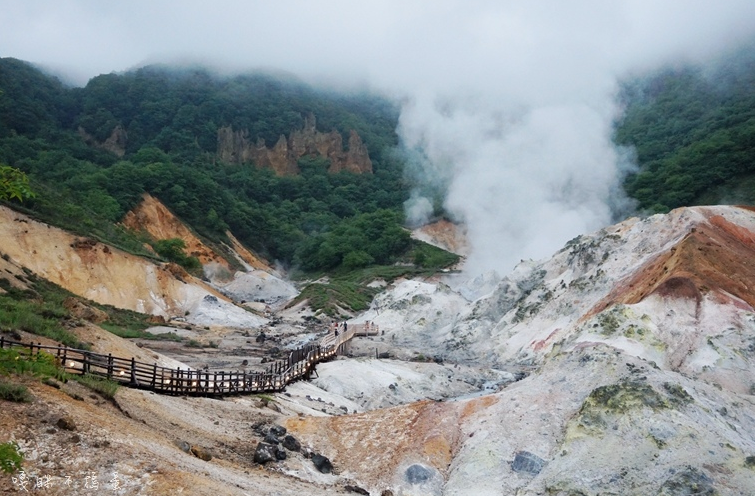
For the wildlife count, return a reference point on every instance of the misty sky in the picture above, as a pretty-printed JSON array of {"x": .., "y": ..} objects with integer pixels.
[{"x": 508, "y": 103}]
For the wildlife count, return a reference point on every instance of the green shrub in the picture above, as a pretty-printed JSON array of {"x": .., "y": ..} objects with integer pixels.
[
  {"x": 105, "y": 387},
  {"x": 10, "y": 458},
  {"x": 21, "y": 361},
  {"x": 14, "y": 392},
  {"x": 173, "y": 251}
]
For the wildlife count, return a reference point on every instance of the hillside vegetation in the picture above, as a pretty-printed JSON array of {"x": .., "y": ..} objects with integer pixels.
[
  {"x": 315, "y": 220},
  {"x": 693, "y": 129}
]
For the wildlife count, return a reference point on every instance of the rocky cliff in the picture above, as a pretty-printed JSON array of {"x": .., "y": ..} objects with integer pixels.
[
  {"x": 154, "y": 218},
  {"x": 115, "y": 143},
  {"x": 110, "y": 276},
  {"x": 260, "y": 282},
  {"x": 234, "y": 146}
]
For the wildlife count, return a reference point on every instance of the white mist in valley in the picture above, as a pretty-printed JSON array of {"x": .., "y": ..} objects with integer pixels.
[{"x": 517, "y": 135}]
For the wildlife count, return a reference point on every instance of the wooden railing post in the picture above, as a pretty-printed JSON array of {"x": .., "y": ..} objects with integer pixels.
[
  {"x": 109, "y": 365},
  {"x": 133, "y": 371}
]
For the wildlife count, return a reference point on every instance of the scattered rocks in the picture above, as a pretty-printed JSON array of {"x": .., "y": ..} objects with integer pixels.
[
  {"x": 271, "y": 439},
  {"x": 75, "y": 439},
  {"x": 201, "y": 453},
  {"x": 280, "y": 453},
  {"x": 386, "y": 492},
  {"x": 291, "y": 444},
  {"x": 52, "y": 383},
  {"x": 278, "y": 430},
  {"x": 418, "y": 474},
  {"x": 356, "y": 489},
  {"x": 322, "y": 463},
  {"x": 687, "y": 482},
  {"x": 264, "y": 453},
  {"x": 526, "y": 462},
  {"x": 66, "y": 423},
  {"x": 183, "y": 446}
]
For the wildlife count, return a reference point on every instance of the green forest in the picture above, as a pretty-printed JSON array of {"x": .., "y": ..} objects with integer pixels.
[
  {"x": 693, "y": 130},
  {"x": 314, "y": 221}
]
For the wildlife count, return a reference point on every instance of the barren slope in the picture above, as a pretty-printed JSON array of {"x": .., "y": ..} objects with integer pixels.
[{"x": 110, "y": 276}]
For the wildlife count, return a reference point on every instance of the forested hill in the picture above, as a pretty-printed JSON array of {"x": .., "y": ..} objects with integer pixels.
[
  {"x": 694, "y": 132},
  {"x": 165, "y": 122}
]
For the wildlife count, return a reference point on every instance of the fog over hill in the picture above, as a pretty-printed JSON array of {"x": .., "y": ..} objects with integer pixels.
[{"x": 508, "y": 107}]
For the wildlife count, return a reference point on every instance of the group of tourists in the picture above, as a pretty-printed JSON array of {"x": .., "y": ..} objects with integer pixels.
[{"x": 343, "y": 326}]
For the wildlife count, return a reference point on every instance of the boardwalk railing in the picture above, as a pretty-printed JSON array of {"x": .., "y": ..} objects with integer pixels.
[{"x": 188, "y": 382}]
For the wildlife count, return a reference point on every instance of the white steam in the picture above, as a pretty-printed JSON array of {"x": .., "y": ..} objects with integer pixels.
[{"x": 520, "y": 139}]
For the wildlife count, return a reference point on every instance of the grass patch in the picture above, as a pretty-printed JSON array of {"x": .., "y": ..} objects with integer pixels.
[
  {"x": 38, "y": 310},
  {"x": 42, "y": 318},
  {"x": 20, "y": 361},
  {"x": 14, "y": 392},
  {"x": 128, "y": 332},
  {"x": 105, "y": 387},
  {"x": 10, "y": 458},
  {"x": 265, "y": 398},
  {"x": 338, "y": 293},
  {"x": 625, "y": 396},
  {"x": 427, "y": 256},
  {"x": 348, "y": 289}
]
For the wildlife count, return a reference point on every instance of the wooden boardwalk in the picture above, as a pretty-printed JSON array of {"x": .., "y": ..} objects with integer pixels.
[{"x": 188, "y": 382}]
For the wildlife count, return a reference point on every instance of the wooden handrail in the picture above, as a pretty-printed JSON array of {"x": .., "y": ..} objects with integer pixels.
[{"x": 129, "y": 372}]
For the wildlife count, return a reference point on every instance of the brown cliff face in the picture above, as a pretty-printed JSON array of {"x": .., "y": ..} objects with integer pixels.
[
  {"x": 710, "y": 258},
  {"x": 235, "y": 147},
  {"x": 155, "y": 218},
  {"x": 97, "y": 271},
  {"x": 115, "y": 144}
]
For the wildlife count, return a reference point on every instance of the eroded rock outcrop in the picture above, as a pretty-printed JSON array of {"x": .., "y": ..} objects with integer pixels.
[
  {"x": 235, "y": 146},
  {"x": 115, "y": 143},
  {"x": 154, "y": 218},
  {"x": 110, "y": 276}
]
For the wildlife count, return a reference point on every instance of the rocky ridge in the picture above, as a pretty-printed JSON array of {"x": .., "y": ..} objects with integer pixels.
[
  {"x": 234, "y": 146},
  {"x": 111, "y": 276},
  {"x": 154, "y": 218}
]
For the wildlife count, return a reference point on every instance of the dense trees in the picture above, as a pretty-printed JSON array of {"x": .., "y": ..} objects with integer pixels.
[
  {"x": 694, "y": 133},
  {"x": 316, "y": 220}
]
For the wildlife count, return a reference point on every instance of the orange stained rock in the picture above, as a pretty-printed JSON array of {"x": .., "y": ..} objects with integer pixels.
[{"x": 711, "y": 258}]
